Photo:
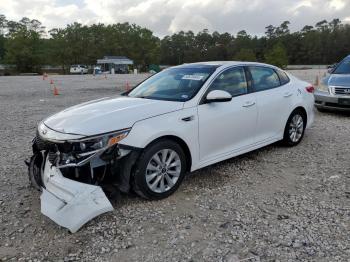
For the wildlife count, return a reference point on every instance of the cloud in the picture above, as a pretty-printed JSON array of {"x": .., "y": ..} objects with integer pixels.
[
  {"x": 169, "y": 16},
  {"x": 48, "y": 12}
]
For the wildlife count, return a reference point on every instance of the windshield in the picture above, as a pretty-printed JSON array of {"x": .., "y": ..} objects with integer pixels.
[
  {"x": 174, "y": 84},
  {"x": 343, "y": 67}
]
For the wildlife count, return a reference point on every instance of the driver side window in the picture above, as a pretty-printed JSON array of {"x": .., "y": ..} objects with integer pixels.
[{"x": 232, "y": 80}]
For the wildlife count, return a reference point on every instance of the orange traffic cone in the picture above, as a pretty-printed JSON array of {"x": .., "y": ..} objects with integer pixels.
[
  {"x": 317, "y": 81},
  {"x": 55, "y": 91}
]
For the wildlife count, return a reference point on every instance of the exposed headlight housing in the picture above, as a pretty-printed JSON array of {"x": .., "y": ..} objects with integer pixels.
[
  {"x": 99, "y": 142},
  {"x": 323, "y": 87}
]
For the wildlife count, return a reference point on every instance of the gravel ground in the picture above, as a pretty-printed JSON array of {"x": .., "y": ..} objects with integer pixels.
[{"x": 273, "y": 204}]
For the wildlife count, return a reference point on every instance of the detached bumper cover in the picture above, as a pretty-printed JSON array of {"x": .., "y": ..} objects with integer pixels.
[{"x": 70, "y": 203}]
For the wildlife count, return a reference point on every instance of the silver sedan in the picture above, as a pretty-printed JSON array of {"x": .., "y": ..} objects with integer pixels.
[{"x": 333, "y": 93}]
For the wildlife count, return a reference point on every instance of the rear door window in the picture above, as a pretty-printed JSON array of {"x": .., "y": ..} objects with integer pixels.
[
  {"x": 232, "y": 81},
  {"x": 263, "y": 78},
  {"x": 284, "y": 79}
]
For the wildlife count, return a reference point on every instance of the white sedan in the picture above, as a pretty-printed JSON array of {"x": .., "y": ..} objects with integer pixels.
[{"x": 179, "y": 120}]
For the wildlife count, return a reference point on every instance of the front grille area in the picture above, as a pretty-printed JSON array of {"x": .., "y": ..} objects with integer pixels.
[
  {"x": 43, "y": 144},
  {"x": 337, "y": 105},
  {"x": 342, "y": 91}
]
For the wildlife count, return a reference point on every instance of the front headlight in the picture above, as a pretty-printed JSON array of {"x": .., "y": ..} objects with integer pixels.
[
  {"x": 99, "y": 142},
  {"x": 323, "y": 87}
]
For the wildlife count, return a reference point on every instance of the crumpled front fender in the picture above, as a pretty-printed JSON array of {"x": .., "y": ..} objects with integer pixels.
[{"x": 70, "y": 203}]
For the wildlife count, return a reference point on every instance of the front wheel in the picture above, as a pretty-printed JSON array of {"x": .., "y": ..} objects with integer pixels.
[
  {"x": 35, "y": 169},
  {"x": 160, "y": 170},
  {"x": 295, "y": 128}
]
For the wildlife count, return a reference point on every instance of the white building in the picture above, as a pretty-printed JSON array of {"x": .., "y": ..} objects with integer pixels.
[{"x": 116, "y": 64}]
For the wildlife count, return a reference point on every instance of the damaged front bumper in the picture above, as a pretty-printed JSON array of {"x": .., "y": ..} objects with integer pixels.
[
  {"x": 70, "y": 203},
  {"x": 73, "y": 184}
]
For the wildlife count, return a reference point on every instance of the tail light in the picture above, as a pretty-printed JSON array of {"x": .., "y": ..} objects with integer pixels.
[{"x": 310, "y": 89}]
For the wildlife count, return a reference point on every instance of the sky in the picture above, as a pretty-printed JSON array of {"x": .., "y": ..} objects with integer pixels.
[{"x": 165, "y": 17}]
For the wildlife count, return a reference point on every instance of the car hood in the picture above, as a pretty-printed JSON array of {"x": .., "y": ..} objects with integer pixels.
[
  {"x": 339, "y": 80},
  {"x": 107, "y": 115}
]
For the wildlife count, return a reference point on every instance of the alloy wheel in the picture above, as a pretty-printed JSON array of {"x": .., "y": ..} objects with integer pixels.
[
  {"x": 296, "y": 128},
  {"x": 163, "y": 170}
]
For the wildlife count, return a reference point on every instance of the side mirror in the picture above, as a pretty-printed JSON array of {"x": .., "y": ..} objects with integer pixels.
[{"x": 218, "y": 96}]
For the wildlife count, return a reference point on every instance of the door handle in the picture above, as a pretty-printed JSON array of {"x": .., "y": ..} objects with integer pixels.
[
  {"x": 288, "y": 94},
  {"x": 188, "y": 118},
  {"x": 249, "y": 104}
]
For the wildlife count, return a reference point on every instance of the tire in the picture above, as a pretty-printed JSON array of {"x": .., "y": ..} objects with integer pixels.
[
  {"x": 294, "y": 130},
  {"x": 34, "y": 171},
  {"x": 169, "y": 175}
]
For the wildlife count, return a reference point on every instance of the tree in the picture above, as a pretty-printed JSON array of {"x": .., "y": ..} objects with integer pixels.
[
  {"x": 26, "y": 45},
  {"x": 3, "y": 27},
  {"x": 307, "y": 29},
  {"x": 23, "y": 49},
  {"x": 322, "y": 25},
  {"x": 270, "y": 31},
  {"x": 245, "y": 55},
  {"x": 79, "y": 44},
  {"x": 3, "y": 24},
  {"x": 335, "y": 24},
  {"x": 277, "y": 56},
  {"x": 283, "y": 29}
]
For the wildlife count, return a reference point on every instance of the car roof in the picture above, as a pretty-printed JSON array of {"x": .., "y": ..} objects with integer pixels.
[{"x": 224, "y": 64}]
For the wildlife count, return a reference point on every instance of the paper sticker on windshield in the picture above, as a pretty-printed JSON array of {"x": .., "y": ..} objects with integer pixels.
[{"x": 192, "y": 77}]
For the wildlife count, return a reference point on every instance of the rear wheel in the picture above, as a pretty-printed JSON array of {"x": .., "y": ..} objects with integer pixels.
[
  {"x": 160, "y": 170},
  {"x": 295, "y": 128}
]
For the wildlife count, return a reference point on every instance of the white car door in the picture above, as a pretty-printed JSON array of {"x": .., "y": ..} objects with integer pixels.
[
  {"x": 274, "y": 102},
  {"x": 225, "y": 127}
]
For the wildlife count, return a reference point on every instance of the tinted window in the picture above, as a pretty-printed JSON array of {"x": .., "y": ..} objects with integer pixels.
[
  {"x": 284, "y": 79},
  {"x": 343, "y": 67},
  {"x": 174, "y": 84},
  {"x": 264, "y": 78},
  {"x": 232, "y": 80}
]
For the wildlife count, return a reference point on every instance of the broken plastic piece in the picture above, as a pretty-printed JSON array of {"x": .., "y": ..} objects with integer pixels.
[{"x": 70, "y": 203}]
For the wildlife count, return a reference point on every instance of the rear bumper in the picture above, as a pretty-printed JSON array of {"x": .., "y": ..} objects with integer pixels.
[
  {"x": 325, "y": 100},
  {"x": 70, "y": 203}
]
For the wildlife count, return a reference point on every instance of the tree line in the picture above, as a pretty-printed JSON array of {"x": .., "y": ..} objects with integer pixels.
[{"x": 27, "y": 45}]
